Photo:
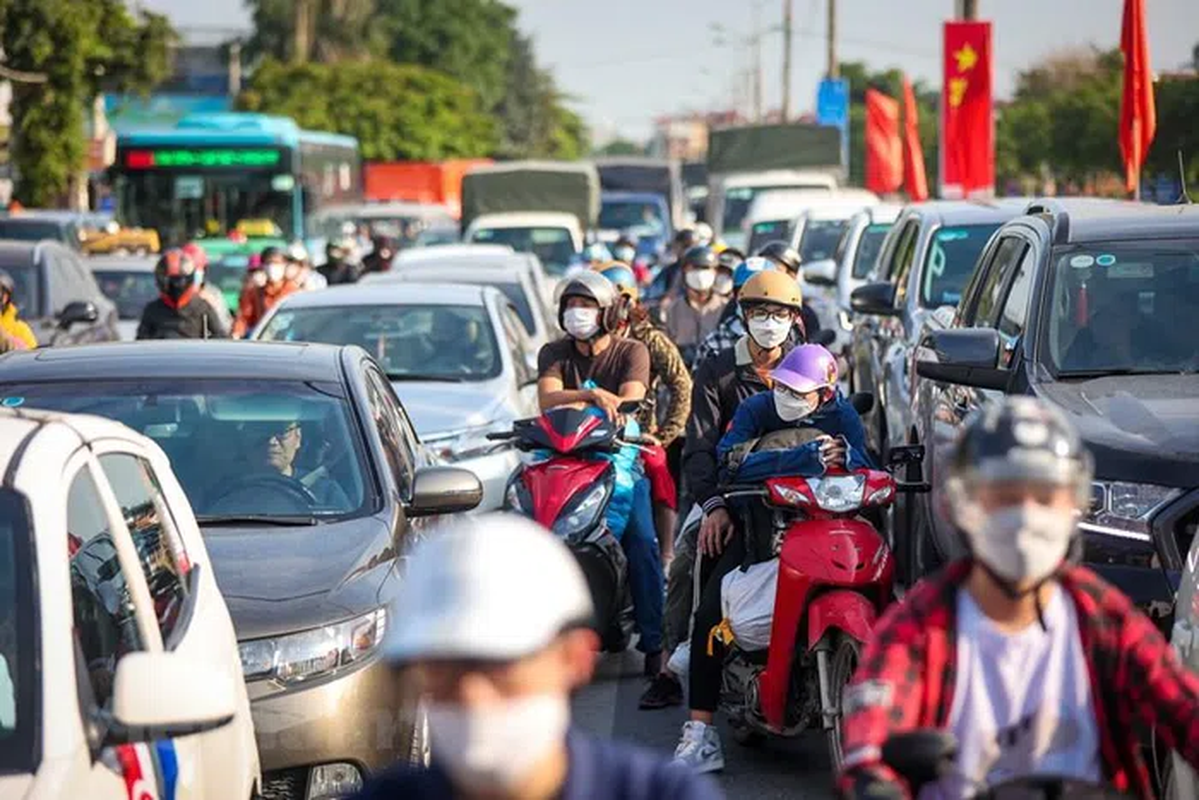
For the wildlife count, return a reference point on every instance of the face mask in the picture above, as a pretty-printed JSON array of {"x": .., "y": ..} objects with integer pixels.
[
  {"x": 625, "y": 254},
  {"x": 581, "y": 323},
  {"x": 723, "y": 284},
  {"x": 199, "y": 278},
  {"x": 495, "y": 746},
  {"x": 791, "y": 408},
  {"x": 1022, "y": 543},
  {"x": 259, "y": 277},
  {"x": 769, "y": 333},
  {"x": 700, "y": 280},
  {"x": 276, "y": 272}
]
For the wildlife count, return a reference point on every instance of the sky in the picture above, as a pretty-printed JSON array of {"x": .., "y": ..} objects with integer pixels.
[{"x": 625, "y": 62}]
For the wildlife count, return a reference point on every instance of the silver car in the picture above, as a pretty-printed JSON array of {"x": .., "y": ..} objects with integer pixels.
[
  {"x": 457, "y": 355},
  {"x": 127, "y": 281}
]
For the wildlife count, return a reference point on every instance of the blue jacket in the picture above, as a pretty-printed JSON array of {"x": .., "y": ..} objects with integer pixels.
[
  {"x": 756, "y": 417},
  {"x": 599, "y": 770}
]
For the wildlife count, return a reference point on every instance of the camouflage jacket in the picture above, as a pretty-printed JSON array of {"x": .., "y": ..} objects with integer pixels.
[{"x": 668, "y": 375}]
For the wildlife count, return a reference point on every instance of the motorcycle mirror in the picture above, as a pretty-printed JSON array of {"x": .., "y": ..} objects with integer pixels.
[{"x": 921, "y": 756}]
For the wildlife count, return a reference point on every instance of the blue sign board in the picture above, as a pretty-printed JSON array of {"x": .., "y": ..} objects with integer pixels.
[{"x": 832, "y": 109}]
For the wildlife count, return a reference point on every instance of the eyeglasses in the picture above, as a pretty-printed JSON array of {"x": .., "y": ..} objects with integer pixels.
[
  {"x": 282, "y": 432},
  {"x": 764, "y": 314}
]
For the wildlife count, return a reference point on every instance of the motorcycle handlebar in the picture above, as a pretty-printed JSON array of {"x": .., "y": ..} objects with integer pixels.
[{"x": 499, "y": 436}]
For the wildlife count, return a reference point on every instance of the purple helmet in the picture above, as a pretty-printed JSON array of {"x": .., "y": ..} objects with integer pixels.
[{"x": 807, "y": 368}]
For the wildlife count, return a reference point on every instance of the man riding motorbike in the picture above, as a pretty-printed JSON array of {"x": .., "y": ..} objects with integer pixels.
[
  {"x": 592, "y": 366},
  {"x": 208, "y": 292},
  {"x": 668, "y": 278},
  {"x": 732, "y": 327},
  {"x": 788, "y": 259},
  {"x": 1035, "y": 664},
  {"x": 260, "y": 297},
  {"x": 341, "y": 261},
  {"x": 727, "y": 261},
  {"x": 300, "y": 271},
  {"x": 179, "y": 312},
  {"x": 383, "y": 250},
  {"x": 690, "y": 315},
  {"x": 720, "y": 384}
]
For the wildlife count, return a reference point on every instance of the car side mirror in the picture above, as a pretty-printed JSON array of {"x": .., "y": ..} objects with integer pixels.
[
  {"x": 78, "y": 312},
  {"x": 148, "y": 703},
  {"x": 444, "y": 490},
  {"x": 821, "y": 273},
  {"x": 877, "y": 299},
  {"x": 922, "y": 757},
  {"x": 963, "y": 356}
]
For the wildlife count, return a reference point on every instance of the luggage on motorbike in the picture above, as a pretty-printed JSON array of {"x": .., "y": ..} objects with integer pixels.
[{"x": 747, "y": 600}]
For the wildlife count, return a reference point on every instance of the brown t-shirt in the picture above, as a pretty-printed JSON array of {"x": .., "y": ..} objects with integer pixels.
[{"x": 624, "y": 361}]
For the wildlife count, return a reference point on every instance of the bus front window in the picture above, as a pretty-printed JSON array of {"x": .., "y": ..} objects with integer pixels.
[{"x": 182, "y": 207}]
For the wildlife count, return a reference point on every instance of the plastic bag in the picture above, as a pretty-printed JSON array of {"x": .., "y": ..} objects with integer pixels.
[{"x": 747, "y": 600}]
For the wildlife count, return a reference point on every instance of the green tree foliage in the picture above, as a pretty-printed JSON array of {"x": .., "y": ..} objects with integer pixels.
[
  {"x": 397, "y": 111},
  {"x": 83, "y": 47},
  {"x": 620, "y": 147},
  {"x": 889, "y": 82}
]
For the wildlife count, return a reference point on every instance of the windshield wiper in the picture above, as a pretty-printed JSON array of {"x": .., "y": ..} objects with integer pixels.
[
  {"x": 415, "y": 376},
  {"x": 281, "y": 520}
]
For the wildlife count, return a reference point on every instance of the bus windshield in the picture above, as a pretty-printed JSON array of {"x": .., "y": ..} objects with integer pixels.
[{"x": 185, "y": 206}]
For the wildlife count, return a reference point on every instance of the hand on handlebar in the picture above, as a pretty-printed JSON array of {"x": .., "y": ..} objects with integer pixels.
[
  {"x": 715, "y": 532},
  {"x": 610, "y": 403},
  {"x": 834, "y": 452}
]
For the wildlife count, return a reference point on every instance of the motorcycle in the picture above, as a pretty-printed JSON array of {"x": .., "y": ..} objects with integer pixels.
[
  {"x": 569, "y": 493},
  {"x": 925, "y": 757},
  {"x": 835, "y": 576}
]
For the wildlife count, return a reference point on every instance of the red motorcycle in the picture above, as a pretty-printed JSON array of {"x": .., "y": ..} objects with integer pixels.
[
  {"x": 569, "y": 493},
  {"x": 834, "y": 579}
]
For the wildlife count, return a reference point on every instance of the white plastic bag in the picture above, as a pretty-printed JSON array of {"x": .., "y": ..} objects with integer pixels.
[{"x": 747, "y": 601}]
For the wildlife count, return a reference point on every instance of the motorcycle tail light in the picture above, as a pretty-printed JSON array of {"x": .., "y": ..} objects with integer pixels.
[{"x": 838, "y": 493}]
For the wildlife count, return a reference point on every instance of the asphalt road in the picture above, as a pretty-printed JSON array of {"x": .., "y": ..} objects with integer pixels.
[{"x": 796, "y": 768}]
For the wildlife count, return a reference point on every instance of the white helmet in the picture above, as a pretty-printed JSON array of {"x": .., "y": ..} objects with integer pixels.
[
  {"x": 494, "y": 587},
  {"x": 703, "y": 232}
]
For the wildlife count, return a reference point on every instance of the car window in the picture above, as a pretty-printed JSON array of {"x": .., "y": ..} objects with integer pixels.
[
  {"x": 987, "y": 304},
  {"x": 161, "y": 552},
  {"x": 952, "y": 255},
  {"x": 61, "y": 280},
  {"x": 131, "y": 290},
  {"x": 101, "y": 603},
  {"x": 870, "y": 243},
  {"x": 1015, "y": 308},
  {"x": 20, "y": 662},
  {"x": 398, "y": 448},
  {"x": 902, "y": 239},
  {"x": 905, "y": 255},
  {"x": 820, "y": 238},
  {"x": 518, "y": 344}
]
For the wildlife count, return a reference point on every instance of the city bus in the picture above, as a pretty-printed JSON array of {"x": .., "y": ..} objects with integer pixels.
[{"x": 234, "y": 182}]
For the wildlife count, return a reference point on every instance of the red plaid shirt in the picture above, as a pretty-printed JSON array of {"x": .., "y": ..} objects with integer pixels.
[{"x": 908, "y": 674}]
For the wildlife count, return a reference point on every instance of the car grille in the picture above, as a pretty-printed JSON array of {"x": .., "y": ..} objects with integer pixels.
[{"x": 285, "y": 784}]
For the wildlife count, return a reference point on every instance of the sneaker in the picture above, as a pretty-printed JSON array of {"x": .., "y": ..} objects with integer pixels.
[
  {"x": 700, "y": 749},
  {"x": 663, "y": 691}
]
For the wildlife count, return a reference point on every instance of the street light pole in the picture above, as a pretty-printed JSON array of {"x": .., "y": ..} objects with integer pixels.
[
  {"x": 757, "y": 45},
  {"x": 832, "y": 69},
  {"x": 786, "y": 60}
]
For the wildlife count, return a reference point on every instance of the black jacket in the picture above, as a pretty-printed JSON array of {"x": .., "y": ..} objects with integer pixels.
[
  {"x": 338, "y": 272},
  {"x": 195, "y": 319}
]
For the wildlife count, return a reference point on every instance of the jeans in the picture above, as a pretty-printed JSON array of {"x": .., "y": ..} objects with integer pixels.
[{"x": 640, "y": 543}]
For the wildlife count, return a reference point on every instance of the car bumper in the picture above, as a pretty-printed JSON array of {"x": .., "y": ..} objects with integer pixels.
[
  {"x": 359, "y": 718},
  {"x": 493, "y": 471}
]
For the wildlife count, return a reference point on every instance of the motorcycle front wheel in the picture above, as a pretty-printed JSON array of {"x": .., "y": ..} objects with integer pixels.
[{"x": 847, "y": 652}]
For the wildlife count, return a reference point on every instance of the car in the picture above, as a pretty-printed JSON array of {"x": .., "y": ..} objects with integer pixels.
[
  {"x": 458, "y": 357},
  {"x": 771, "y": 214},
  {"x": 1082, "y": 304},
  {"x": 643, "y": 215},
  {"x": 730, "y": 196},
  {"x": 309, "y": 485},
  {"x": 128, "y": 281},
  {"x": 1181, "y": 781},
  {"x": 556, "y": 238},
  {"x": 57, "y": 295},
  {"x": 518, "y": 275},
  {"x": 438, "y": 234},
  {"x": 119, "y": 667},
  {"x": 925, "y": 261},
  {"x": 36, "y": 225}
]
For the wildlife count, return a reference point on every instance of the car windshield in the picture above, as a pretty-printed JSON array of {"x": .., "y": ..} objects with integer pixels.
[
  {"x": 25, "y": 286},
  {"x": 762, "y": 233},
  {"x": 626, "y": 214},
  {"x": 737, "y": 201},
  {"x": 552, "y": 245},
  {"x": 131, "y": 290},
  {"x": 513, "y": 290},
  {"x": 19, "y": 679},
  {"x": 30, "y": 230},
  {"x": 436, "y": 235},
  {"x": 404, "y": 228},
  {"x": 411, "y": 342},
  {"x": 820, "y": 237},
  {"x": 950, "y": 263},
  {"x": 239, "y": 447},
  {"x": 1122, "y": 307},
  {"x": 869, "y": 245}
]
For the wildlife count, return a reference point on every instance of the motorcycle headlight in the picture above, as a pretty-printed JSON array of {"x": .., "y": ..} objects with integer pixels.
[
  {"x": 309, "y": 654},
  {"x": 1124, "y": 509},
  {"x": 470, "y": 443},
  {"x": 838, "y": 493},
  {"x": 582, "y": 512}
]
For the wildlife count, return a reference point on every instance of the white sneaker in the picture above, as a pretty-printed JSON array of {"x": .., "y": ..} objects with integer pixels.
[{"x": 700, "y": 749}]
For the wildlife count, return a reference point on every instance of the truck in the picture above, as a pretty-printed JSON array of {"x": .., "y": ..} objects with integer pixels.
[
  {"x": 424, "y": 182},
  {"x": 630, "y": 184}
]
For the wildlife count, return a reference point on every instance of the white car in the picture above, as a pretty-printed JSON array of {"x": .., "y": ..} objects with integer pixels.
[
  {"x": 119, "y": 669},
  {"x": 555, "y": 237}
]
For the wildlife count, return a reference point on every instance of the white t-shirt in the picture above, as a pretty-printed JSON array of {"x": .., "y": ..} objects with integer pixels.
[{"x": 1022, "y": 701}]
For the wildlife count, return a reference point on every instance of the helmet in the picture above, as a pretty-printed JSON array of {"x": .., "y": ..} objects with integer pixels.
[
  {"x": 297, "y": 252},
  {"x": 175, "y": 273},
  {"x": 595, "y": 286},
  {"x": 703, "y": 232},
  {"x": 782, "y": 254},
  {"x": 748, "y": 268},
  {"x": 730, "y": 257},
  {"x": 197, "y": 255},
  {"x": 807, "y": 368},
  {"x": 625, "y": 250},
  {"x": 719, "y": 246},
  {"x": 596, "y": 253},
  {"x": 700, "y": 256},
  {"x": 771, "y": 286},
  {"x": 459, "y": 600},
  {"x": 625, "y": 281},
  {"x": 685, "y": 239},
  {"x": 7, "y": 288},
  {"x": 270, "y": 253}
]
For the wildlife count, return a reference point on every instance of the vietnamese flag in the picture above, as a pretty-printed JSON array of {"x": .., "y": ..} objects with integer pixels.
[
  {"x": 884, "y": 152},
  {"x": 1138, "y": 113},
  {"x": 914, "y": 178},
  {"x": 967, "y": 136}
]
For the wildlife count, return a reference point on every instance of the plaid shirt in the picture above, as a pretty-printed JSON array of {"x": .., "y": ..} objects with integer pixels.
[
  {"x": 908, "y": 673},
  {"x": 723, "y": 338},
  {"x": 667, "y": 370}
]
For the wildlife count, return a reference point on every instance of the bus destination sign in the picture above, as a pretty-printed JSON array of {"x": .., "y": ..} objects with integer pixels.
[{"x": 203, "y": 158}]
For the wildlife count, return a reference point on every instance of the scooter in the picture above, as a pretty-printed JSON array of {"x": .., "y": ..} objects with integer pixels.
[
  {"x": 569, "y": 493},
  {"x": 835, "y": 577}
]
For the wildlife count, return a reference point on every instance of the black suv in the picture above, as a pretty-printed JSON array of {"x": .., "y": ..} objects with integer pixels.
[{"x": 1086, "y": 304}]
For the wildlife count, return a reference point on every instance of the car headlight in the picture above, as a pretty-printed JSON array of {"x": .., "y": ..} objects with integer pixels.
[
  {"x": 309, "y": 654},
  {"x": 470, "y": 443},
  {"x": 1124, "y": 509},
  {"x": 838, "y": 493},
  {"x": 582, "y": 511}
]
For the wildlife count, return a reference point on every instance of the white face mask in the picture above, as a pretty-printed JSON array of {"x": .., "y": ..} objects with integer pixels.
[
  {"x": 259, "y": 277},
  {"x": 495, "y": 746},
  {"x": 700, "y": 280},
  {"x": 581, "y": 323},
  {"x": 770, "y": 332},
  {"x": 276, "y": 272},
  {"x": 723, "y": 284},
  {"x": 791, "y": 408},
  {"x": 1021, "y": 543}
]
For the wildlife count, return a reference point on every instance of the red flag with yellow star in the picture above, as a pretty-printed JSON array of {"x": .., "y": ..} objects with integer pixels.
[{"x": 967, "y": 130}]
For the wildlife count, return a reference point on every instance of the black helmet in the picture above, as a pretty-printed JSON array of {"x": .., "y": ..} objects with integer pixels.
[
  {"x": 685, "y": 239},
  {"x": 271, "y": 252},
  {"x": 592, "y": 285},
  {"x": 700, "y": 256},
  {"x": 175, "y": 273},
  {"x": 730, "y": 258},
  {"x": 782, "y": 254}
]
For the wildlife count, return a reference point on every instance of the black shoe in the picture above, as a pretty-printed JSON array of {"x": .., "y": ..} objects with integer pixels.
[{"x": 663, "y": 691}]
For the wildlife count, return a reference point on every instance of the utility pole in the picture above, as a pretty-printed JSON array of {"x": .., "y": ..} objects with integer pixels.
[
  {"x": 786, "y": 60},
  {"x": 302, "y": 33},
  {"x": 757, "y": 35},
  {"x": 235, "y": 68},
  {"x": 832, "y": 68},
  {"x": 967, "y": 10}
]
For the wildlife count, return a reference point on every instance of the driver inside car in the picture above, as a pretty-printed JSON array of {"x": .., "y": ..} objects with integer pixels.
[{"x": 271, "y": 451}]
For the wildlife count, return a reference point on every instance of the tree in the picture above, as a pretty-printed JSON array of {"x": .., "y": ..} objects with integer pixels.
[
  {"x": 621, "y": 147},
  {"x": 83, "y": 47},
  {"x": 396, "y": 111}
]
